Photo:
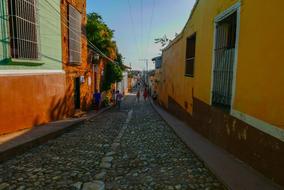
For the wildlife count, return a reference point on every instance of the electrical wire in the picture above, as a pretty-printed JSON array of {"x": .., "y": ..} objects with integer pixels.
[
  {"x": 151, "y": 24},
  {"x": 141, "y": 12},
  {"x": 89, "y": 42},
  {"x": 132, "y": 25}
]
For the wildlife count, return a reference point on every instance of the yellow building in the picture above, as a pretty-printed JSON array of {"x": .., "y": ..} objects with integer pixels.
[{"x": 224, "y": 74}]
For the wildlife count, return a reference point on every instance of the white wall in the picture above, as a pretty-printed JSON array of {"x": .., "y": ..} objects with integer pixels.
[{"x": 122, "y": 86}]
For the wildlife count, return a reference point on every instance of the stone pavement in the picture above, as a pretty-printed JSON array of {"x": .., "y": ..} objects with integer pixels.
[
  {"x": 18, "y": 142},
  {"x": 131, "y": 148}
]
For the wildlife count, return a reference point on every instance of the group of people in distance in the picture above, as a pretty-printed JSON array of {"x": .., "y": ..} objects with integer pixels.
[
  {"x": 116, "y": 98},
  {"x": 145, "y": 94}
]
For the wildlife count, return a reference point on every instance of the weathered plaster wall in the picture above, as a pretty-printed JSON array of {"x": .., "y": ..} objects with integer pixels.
[
  {"x": 260, "y": 78},
  {"x": 173, "y": 82},
  {"x": 30, "y": 100},
  {"x": 50, "y": 34},
  {"x": 33, "y": 95}
]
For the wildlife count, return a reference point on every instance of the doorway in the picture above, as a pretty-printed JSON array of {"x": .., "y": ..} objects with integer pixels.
[
  {"x": 77, "y": 93},
  {"x": 224, "y": 53},
  {"x": 95, "y": 82}
]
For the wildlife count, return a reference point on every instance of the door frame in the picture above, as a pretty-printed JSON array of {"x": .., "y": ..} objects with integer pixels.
[
  {"x": 77, "y": 93},
  {"x": 234, "y": 8}
]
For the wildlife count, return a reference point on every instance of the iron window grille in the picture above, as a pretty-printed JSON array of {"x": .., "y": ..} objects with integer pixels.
[
  {"x": 224, "y": 62},
  {"x": 24, "y": 29},
  {"x": 74, "y": 20},
  {"x": 190, "y": 55}
]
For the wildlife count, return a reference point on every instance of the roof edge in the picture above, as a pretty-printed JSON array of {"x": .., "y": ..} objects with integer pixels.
[{"x": 179, "y": 36}]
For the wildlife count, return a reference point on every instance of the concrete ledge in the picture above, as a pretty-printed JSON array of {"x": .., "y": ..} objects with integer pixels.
[
  {"x": 19, "y": 142},
  {"x": 231, "y": 171},
  {"x": 29, "y": 72}
]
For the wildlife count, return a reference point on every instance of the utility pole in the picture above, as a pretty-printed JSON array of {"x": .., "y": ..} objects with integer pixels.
[{"x": 146, "y": 74}]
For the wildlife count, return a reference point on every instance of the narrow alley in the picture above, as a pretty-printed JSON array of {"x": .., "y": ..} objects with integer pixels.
[{"x": 130, "y": 148}]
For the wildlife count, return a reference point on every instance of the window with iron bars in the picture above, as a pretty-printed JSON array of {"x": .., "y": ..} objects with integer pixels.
[
  {"x": 23, "y": 26},
  {"x": 74, "y": 20},
  {"x": 190, "y": 55},
  {"x": 224, "y": 62}
]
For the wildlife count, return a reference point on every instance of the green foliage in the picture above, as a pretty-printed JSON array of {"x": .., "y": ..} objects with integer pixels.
[
  {"x": 105, "y": 102},
  {"x": 112, "y": 74},
  {"x": 100, "y": 34},
  {"x": 119, "y": 60}
]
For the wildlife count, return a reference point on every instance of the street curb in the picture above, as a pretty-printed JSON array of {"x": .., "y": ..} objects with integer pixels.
[{"x": 22, "y": 148}]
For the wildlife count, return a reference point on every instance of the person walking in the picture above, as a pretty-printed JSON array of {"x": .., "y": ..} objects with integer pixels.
[
  {"x": 119, "y": 97},
  {"x": 97, "y": 99},
  {"x": 145, "y": 94},
  {"x": 113, "y": 95},
  {"x": 138, "y": 95}
]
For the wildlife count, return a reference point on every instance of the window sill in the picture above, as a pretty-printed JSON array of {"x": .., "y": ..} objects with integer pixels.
[
  {"x": 187, "y": 75},
  {"x": 74, "y": 64},
  {"x": 21, "y": 62},
  {"x": 226, "y": 109}
]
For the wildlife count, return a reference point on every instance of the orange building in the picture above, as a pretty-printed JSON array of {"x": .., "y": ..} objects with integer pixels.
[
  {"x": 79, "y": 72},
  {"x": 49, "y": 78}
]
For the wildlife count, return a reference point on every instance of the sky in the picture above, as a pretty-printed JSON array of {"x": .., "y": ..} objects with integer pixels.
[{"x": 138, "y": 22}]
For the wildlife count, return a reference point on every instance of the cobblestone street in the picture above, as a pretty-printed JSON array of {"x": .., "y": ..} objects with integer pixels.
[{"x": 130, "y": 148}]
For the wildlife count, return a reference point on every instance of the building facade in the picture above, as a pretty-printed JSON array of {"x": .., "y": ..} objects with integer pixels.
[
  {"x": 122, "y": 86},
  {"x": 157, "y": 72},
  {"x": 80, "y": 78},
  {"x": 44, "y": 71},
  {"x": 31, "y": 74},
  {"x": 215, "y": 73}
]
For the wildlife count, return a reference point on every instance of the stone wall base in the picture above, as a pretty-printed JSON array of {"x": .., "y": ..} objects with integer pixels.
[{"x": 259, "y": 150}]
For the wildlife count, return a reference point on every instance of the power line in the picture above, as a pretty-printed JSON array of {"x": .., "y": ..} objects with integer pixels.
[
  {"x": 89, "y": 42},
  {"x": 151, "y": 23},
  {"x": 132, "y": 25},
  {"x": 141, "y": 12}
]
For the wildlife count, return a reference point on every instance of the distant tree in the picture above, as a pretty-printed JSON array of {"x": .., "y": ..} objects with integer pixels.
[
  {"x": 100, "y": 34},
  {"x": 163, "y": 41},
  {"x": 112, "y": 74},
  {"x": 119, "y": 60}
]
